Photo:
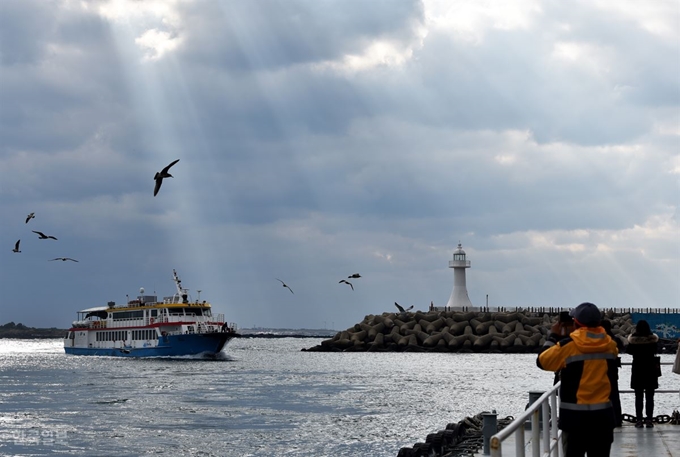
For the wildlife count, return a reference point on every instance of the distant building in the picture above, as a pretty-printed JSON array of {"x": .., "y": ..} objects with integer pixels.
[{"x": 459, "y": 296}]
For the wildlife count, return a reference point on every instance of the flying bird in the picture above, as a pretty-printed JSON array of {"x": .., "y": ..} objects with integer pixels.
[
  {"x": 346, "y": 282},
  {"x": 29, "y": 217},
  {"x": 162, "y": 174},
  {"x": 16, "y": 246},
  {"x": 355, "y": 275},
  {"x": 286, "y": 286},
  {"x": 64, "y": 259},
  {"x": 42, "y": 236},
  {"x": 401, "y": 308}
]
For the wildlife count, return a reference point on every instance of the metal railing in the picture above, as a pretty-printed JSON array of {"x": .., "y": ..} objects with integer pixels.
[
  {"x": 543, "y": 413},
  {"x": 658, "y": 391},
  {"x": 552, "y": 309}
]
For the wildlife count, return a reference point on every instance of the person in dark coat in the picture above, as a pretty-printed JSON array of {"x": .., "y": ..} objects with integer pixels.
[
  {"x": 615, "y": 396},
  {"x": 644, "y": 379}
]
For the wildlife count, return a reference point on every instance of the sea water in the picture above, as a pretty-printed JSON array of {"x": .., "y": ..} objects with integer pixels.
[{"x": 265, "y": 397}]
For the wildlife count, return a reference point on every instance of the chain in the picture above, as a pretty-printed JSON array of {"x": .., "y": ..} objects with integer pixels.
[{"x": 660, "y": 419}]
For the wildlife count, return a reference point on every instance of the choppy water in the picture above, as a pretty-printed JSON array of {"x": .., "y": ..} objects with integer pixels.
[{"x": 266, "y": 398}]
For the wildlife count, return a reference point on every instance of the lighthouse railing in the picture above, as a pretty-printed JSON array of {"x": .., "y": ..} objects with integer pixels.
[{"x": 459, "y": 263}]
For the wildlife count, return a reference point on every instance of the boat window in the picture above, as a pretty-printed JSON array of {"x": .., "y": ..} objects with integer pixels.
[
  {"x": 128, "y": 315},
  {"x": 99, "y": 314},
  {"x": 143, "y": 334},
  {"x": 193, "y": 311}
]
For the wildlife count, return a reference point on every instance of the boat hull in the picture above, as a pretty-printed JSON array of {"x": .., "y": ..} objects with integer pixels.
[{"x": 198, "y": 344}]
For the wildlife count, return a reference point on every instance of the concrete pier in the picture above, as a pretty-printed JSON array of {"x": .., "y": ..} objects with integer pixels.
[{"x": 661, "y": 441}]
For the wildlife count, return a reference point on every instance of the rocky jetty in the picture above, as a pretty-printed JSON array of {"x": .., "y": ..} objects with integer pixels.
[
  {"x": 455, "y": 331},
  {"x": 462, "y": 439}
]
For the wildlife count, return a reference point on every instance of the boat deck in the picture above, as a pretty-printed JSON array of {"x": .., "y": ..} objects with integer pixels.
[{"x": 661, "y": 441}]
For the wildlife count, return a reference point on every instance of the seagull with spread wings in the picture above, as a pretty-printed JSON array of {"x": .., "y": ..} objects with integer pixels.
[
  {"x": 42, "y": 236},
  {"x": 64, "y": 259},
  {"x": 401, "y": 308},
  {"x": 355, "y": 275},
  {"x": 162, "y": 174},
  {"x": 16, "y": 246},
  {"x": 29, "y": 217},
  {"x": 286, "y": 286},
  {"x": 346, "y": 282}
]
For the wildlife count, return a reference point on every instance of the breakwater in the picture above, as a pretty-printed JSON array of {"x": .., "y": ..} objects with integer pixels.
[{"x": 458, "y": 331}]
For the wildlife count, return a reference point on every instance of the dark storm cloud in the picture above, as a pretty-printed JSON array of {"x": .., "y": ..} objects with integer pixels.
[
  {"x": 514, "y": 80},
  {"x": 64, "y": 81},
  {"x": 23, "y": 29},
  {"x": 270, "y": 34},
  {"x": 304, "y": 154}
]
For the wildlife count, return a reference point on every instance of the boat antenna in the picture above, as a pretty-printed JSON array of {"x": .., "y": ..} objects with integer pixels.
[{"x": 182, "y": 292}]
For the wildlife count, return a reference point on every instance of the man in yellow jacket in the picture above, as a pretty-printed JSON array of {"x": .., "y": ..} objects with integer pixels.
[{"x": 586, "y": 360}]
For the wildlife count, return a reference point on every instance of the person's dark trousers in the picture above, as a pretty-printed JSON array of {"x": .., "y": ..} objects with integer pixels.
[
  {"x": 648, "y": 396},
  {"x": 596, "y": 443}
]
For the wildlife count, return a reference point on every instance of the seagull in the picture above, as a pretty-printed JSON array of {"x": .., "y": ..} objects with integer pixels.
[
  {"x": 64, "y": 259},
  {"x": 355, "y": 275},
  {"x": 401, "y": 309},
  {"x": 346, "y": 282},
  {"x": 42, "y": 236},
  {"x": 286, "y": 285},
  {"x": 29, "y": 217},
  {"x": 16, "y": 246},
  {"x": 160, "y": 175}
]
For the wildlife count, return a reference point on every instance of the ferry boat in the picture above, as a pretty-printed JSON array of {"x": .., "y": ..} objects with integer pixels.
[{"x": 147, "y": 327}]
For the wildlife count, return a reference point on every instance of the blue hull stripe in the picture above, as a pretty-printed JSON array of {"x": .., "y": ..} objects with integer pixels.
[{"x": 169, "y": 346}]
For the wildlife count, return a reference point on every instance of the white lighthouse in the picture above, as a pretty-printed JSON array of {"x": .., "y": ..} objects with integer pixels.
[{"x": 459, "y": 296}]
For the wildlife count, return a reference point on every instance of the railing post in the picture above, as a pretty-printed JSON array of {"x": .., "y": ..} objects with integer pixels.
[
  {"x": 536, "y": 433},
  {"x": 553, "y": 423},
  {"x": 489, "y": 428},
  {"x": 519, "y": 442},
  {"x": 533, "y": 397},
  {"x": 545, "y": 423}
]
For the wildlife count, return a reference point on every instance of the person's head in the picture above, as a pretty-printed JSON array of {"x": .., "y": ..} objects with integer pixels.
[
  {"x": 642, "y": 328},
  {"x": 586, "y": 315}
]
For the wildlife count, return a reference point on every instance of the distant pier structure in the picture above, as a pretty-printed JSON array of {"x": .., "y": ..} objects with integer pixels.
[{"x": 459, "y": 296}]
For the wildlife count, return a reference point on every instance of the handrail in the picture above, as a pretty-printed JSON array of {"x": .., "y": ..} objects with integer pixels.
[
  {"x": 547, "y": 403},
  {"x": 548, "y": 424}
]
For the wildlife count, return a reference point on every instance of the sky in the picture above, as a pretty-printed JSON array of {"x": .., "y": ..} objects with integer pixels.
[{"x": 322, "y": 138}]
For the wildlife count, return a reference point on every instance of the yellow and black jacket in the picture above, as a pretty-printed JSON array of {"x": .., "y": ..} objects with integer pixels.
[{"x": 587, "y": 362}]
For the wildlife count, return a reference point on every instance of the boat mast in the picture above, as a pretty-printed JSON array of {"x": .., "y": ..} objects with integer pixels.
[{"x": 178, "y": 283}]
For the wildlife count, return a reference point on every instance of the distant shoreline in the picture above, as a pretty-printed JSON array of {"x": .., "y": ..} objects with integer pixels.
[{"x": 29, "y": 333}]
